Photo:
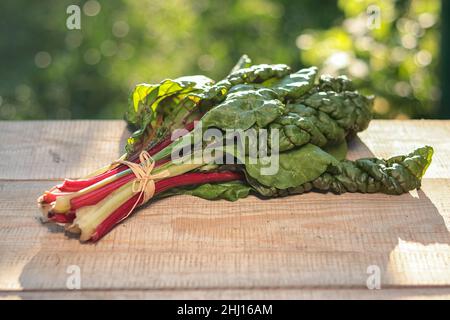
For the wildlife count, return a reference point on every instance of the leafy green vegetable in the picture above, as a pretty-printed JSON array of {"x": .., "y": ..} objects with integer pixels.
[
  {"x": 320, "y": 116},
  {"x": 273, "y": 192},
  {"x": 146, "y": 97},
  {"x": 336, "y": 84},
  {"x": 311, "y": 120},
  {"x": 396, "y": 175},
  {"x": 339, "y": 151},
  {"x": 350, "y": 110},
  {"x": 296, "y": 167},
  {"x": 296, "y": 84},
  {"x": 243, "y": 108},
  {"x": 230, "y": 191},
  {"x": 256, "y": 74},
  {"x": 155, "y": 110},
  {"x": 320, "y": 123},
  {"x": 171, "y": 100},
  {"x": 392, "y": 176}
]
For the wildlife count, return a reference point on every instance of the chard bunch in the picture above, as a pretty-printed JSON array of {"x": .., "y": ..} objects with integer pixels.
[{"x": 311, "y": 119}]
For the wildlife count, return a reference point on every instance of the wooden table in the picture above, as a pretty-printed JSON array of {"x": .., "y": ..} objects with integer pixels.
[{"x": 307, "y": 246}]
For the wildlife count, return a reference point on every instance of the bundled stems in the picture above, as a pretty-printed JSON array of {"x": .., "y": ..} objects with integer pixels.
[
  {"x": 183, "y": 180},
  {"x": 97, "y": 204}
]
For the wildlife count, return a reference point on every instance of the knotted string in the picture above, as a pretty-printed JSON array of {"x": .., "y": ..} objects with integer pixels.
[{"x": 144, "y": 184}]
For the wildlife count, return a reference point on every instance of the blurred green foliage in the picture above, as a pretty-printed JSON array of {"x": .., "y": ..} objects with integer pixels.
[
  {"x": 50, "y": 72},
  {"x": 395, "y": 57}
]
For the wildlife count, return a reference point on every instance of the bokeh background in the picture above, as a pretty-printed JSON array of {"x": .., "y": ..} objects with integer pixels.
[{"x": 50, "y": 72}]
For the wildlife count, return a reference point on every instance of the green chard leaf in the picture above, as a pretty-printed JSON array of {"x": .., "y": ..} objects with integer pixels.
[
  {"x": 294, "y": 85},
  {"x": 336, "y": 84},
  {"x": 295, "y": 167},
  {"x": 230, "y": 191},
  {"x": 244, "y": 107},
  {"x": 349, "y": 109},
  {"x": 243, "y": 74},
  {"x": 323, "y": 117},
  {"x": 258, "y": 73},
  {"x": 145, "y": 98},
  {"x": 273, "y": 192},
  {"x": 172, "y": 101},
  {"x": 339, "y": 151},
  {"x": 395, "y": 175}
]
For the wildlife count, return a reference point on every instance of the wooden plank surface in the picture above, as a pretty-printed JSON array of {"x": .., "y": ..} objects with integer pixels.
[
  {"x": 234, "y": 294},
  {"x": 34, "y": 150},
  {"x": 58, "y": 149},
  {"x": 308, "y": 246}
]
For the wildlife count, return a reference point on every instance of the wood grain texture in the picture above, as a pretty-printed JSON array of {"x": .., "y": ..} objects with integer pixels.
[
  {"x": 34, "y": 150},
  {"x": 235, "y": 294},
  {"x": 308, "y": 246},
  {"x": 58, "y": 149}
]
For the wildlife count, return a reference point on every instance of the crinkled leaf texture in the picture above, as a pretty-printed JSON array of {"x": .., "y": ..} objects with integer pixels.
[
  {"x": 296, "y": 84},
  {"x": 258, "y": 73},
  {"x": 244, "y": 107},
  {"x": 349, "y": 109},
  {"x": 395, "y": 175},
  {"x": 319, "y": 115},
  {"x": 243, "y": 74}
]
